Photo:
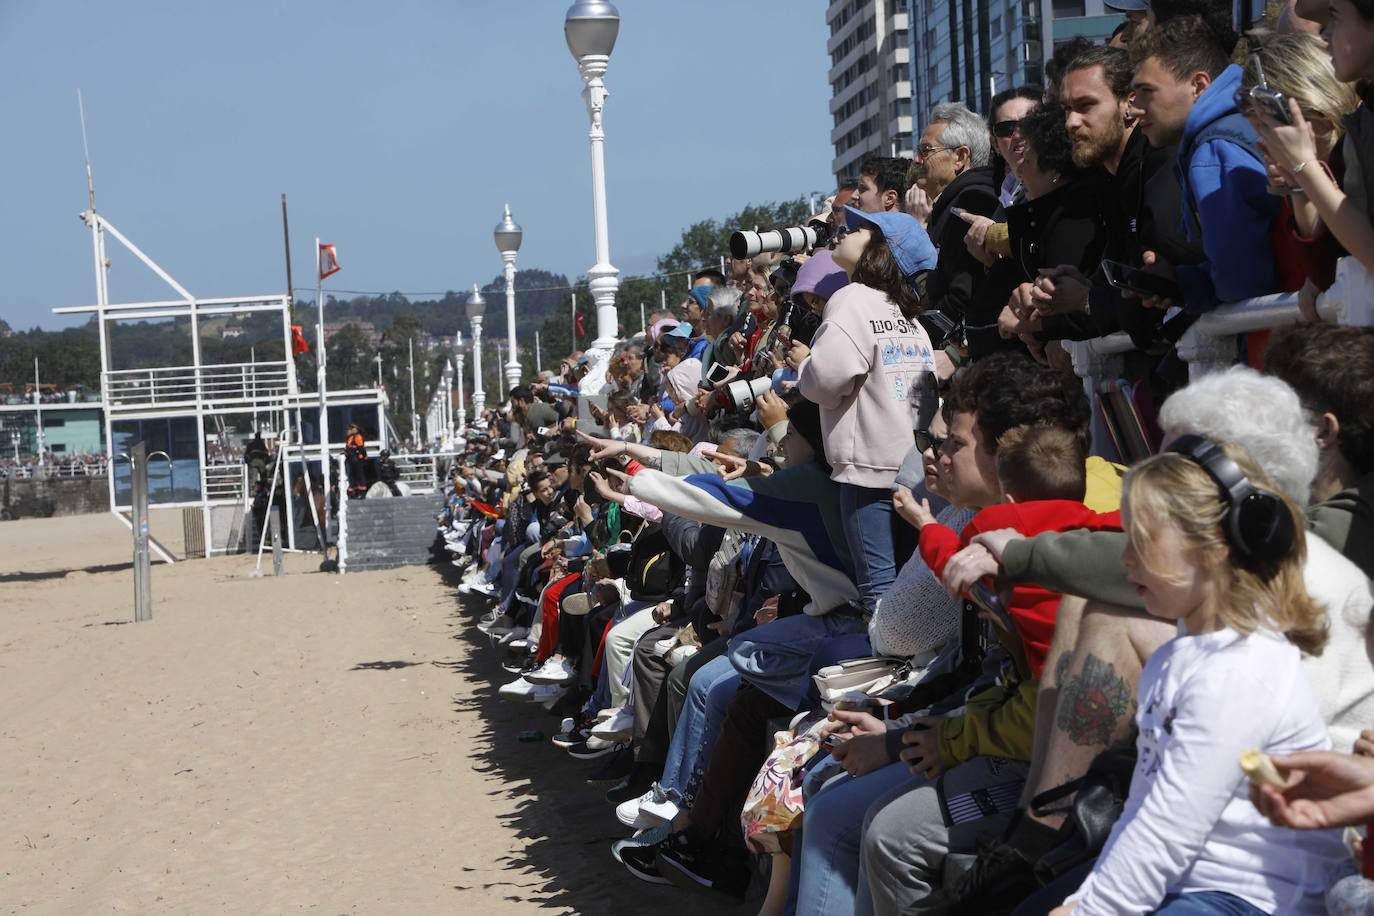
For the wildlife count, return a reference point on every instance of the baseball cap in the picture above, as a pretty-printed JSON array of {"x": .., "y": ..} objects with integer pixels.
[
  {"x": 1127, "y": 6},
  {"x": 683, "y": 331},
  {"x": 905, "y": 237}
]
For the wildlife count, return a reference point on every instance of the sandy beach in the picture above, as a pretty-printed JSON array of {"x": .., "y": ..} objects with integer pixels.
[{"x": 308, "y": 743}]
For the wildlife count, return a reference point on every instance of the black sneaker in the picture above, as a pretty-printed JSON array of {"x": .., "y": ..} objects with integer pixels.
[
  {"x": 688, "y": 863},
  {"x": 616, "y": 768},
  {"x": 582, "y": 752},
  {"x": 568, "y": 739},
  {"x": 639, "y": 861}
]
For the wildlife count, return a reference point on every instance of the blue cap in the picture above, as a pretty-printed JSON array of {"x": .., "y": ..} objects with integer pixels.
[
  {"x": 683, "y": 331},
  {"x": 907, "y": 239},
  {"x": 1127, "y": 6},
  {"x": 702, "y": 294}
]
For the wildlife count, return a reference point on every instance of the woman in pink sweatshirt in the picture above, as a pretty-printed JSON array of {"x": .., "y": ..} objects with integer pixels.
[{"x": 869, "y": 364}]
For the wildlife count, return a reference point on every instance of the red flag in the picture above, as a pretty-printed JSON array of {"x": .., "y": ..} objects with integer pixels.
[
  {"x": 581, "y": 326},
  {"x": 328, "y": 261},
  {"x": 299, "y": 344}
]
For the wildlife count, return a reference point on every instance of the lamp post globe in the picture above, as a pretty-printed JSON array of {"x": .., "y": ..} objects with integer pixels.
[
  {"x": 508, "y": 236},
  {"x": 591, "y": 28},
  {"x": 477, "y": 307}
]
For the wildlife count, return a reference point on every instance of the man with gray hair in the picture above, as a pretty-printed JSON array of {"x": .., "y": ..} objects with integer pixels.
[{"x": 952, "y": 167}]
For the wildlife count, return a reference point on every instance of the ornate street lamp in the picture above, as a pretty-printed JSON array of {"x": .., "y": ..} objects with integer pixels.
[
  {"x": 458, "y": 372},
  {"x": 591, "y": 27},
  {"x": 477, "y": 306},
  {"x": 508, "y": 236}
]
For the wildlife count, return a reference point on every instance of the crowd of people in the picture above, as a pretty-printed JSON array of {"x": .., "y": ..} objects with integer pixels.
[
  {"x": 85, "y": 465},
  {"x": 838, "y": 592}
]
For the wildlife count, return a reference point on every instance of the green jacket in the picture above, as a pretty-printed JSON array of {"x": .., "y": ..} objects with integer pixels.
[{"x": 1346, "y": 522}]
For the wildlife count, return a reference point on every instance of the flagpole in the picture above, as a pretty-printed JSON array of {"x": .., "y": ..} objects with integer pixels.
[
  {"x": 319, "y": 370},
  {"x": 414, "y": 414},
  {"x": 574, "y": 320},
  {"x": 538, "y": 356}
]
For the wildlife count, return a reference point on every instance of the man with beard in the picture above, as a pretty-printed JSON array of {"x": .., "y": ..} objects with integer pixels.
[{"x": 1140, "y": 204}]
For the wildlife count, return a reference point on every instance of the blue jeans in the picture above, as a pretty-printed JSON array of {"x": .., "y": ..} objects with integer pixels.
[
  {"x": 868, "y": 518},
  {"x": 1207, "y": 903},
  {"x": 707, "y": 696},
  {"x": 826, "y": 873},
  {"x": 776, "y": 657}
]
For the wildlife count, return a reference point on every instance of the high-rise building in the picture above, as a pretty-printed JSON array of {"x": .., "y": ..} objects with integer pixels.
[
  {"x": 870, "y": 82},
  {"x": 969, "y": 50}
]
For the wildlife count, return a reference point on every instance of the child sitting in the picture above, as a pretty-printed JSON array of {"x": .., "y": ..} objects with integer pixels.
[{"x": 1041, "y": 470}]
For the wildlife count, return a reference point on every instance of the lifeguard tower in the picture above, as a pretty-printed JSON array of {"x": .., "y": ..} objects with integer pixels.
[{"x": 196, "y": 409}]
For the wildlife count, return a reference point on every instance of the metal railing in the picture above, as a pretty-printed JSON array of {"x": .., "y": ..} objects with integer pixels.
[
  {"x": 232, "y": 382},
  {"x": 1210, "y": 345},
  {"x": 225, "y": 482},
  {"x": 424, "y": 473},
  {"x": 74, "y": 469}
]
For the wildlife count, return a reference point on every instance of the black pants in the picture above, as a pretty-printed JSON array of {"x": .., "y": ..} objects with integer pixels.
[
  {"x": 740, "y": 749},
  {"x": 672, "y": 696}
]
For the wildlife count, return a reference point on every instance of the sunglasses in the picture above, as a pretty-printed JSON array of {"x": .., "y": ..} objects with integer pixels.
[
  {"x": 1004, "y": 129},
  {"x": 928, "y": 441}
]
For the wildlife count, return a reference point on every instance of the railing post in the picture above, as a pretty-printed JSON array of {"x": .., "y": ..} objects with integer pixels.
[
  {"x": 343, "y": 514},
  {"x": 1204, "y": 353}
]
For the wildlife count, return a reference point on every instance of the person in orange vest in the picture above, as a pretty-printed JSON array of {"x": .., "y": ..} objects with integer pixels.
[{"x": 355, "y": 453}]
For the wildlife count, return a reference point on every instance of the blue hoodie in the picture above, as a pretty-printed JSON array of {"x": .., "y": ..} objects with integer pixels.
[{"x": 1223, "y": 181}]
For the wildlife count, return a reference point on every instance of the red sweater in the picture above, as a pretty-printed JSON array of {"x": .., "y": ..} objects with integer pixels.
[{"x": 1032, "y": 608}]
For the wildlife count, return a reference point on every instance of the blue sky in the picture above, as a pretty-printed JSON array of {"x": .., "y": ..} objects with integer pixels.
[{"x": 396, "y": 129}]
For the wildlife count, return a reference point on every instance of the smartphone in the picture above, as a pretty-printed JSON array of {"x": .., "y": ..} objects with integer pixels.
[
  {"x": 831, "y": 741},
  {"x": 956, "y": 212},
  {"x": 717, "y": 374},
  {"x": 1140, "y": 282},
  {"x": 1271, "y": 102}
]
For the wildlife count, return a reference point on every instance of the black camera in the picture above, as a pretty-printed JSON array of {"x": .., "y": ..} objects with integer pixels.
[{"x": 788, "y": 240}]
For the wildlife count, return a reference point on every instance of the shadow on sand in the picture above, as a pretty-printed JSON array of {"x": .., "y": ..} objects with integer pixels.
[{"x": 566, "y": 824}]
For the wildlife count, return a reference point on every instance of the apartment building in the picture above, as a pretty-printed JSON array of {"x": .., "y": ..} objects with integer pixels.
[
  {"x": 870, "y": 79},
  {"x": 969, "y": 50}
]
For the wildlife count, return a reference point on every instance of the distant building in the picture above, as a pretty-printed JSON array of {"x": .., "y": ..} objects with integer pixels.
[
  {"x": 374, "y": 337},
  {"x": 969, "y": 50},
  {"x": 870, "y": 82},
  {"x": 230, "y": 331}
]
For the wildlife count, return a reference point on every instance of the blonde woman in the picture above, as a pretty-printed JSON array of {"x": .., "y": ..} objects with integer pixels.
[
  {"x": 1214, "y": 546},
  {"x": 1318, "y": 79}
]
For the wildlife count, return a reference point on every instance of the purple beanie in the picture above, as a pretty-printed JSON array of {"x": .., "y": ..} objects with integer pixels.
[{"x": 820, "y": 275}]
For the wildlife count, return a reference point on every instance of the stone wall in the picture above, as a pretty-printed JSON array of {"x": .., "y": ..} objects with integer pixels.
[{"x": 44, "y": 498}]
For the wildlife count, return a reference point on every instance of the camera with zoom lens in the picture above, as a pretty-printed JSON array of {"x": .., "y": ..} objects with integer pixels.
[
  {"x": 739, "y": 396},
  {"x": 788, "y": 240}
]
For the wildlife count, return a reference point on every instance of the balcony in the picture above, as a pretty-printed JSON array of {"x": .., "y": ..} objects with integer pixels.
[{"x": 187, "y": 386}]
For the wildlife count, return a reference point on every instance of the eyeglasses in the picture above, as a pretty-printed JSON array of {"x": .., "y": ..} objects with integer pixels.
[
  {"x": 1004, "y": 129},
  {"x": 927, "y": 441},
  {"x": 924, "y": 150}
]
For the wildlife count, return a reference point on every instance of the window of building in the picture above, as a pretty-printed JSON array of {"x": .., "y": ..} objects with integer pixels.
[
  {"x": 54, "y": 422},
  {"x": 1065, "y": 9},
  {"x": 995, "y": 27}
]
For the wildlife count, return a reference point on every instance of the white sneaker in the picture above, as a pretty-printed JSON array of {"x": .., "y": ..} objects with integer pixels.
[
  {"x": 510, "y": 635},
  {"x": 628, "y": 812},
  {"x": 519, "y": 646},
  {"x": 522, "y": 691},
  {"x": 484, "y": 588},
  {"x": 607, "y": 713},
  {"x": 497, "y": 626},
  {"x": 662, "y": 808},
  {"x": 553, "y": 671},
  {"x": 618, "y": 727}
]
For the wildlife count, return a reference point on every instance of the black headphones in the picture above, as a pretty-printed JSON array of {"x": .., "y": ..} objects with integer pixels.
[{"x": 1258, "y": 522}]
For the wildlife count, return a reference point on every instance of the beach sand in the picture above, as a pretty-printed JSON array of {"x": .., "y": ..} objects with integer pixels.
[{"x": 314, "y": 742}]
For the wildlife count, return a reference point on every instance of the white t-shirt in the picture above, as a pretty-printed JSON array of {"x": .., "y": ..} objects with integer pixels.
[{"x": 1188, "y": 824}]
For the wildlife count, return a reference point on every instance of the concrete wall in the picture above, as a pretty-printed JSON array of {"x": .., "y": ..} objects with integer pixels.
[{"x": 44, "y": 498}]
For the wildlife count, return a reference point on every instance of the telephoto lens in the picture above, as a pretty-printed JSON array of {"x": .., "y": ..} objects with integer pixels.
[{"x": 789, "y": 240}]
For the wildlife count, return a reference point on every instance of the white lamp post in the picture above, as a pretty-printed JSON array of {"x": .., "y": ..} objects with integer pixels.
[
  {"x": 448, "y": 400},
  {"x": 591, "y": 27},
  {"x": 508, "y": 236},
  {"x": 476, "y": 306},
  {"x": 458, "y": 371}
]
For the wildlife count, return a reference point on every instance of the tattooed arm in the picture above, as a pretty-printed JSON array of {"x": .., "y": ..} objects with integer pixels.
[{"x": 1096, "y": 706}]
